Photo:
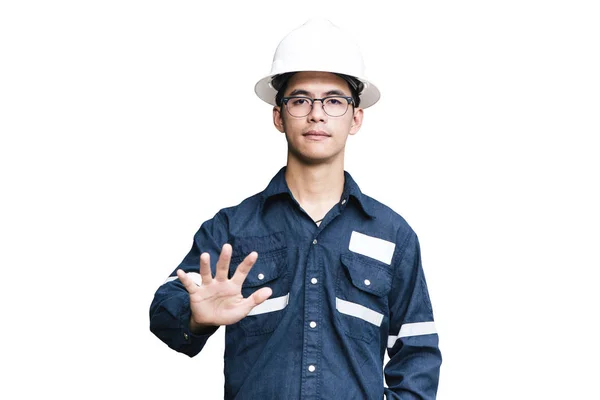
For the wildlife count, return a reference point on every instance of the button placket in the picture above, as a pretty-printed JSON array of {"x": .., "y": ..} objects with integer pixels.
[{"x": 312, "y": 340}]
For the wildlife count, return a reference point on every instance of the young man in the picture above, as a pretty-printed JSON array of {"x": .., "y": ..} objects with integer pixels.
[{"x": 313, "y": 279}]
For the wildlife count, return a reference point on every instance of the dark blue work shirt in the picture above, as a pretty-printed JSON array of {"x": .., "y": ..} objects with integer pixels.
[{"x": 343, "y": 293}]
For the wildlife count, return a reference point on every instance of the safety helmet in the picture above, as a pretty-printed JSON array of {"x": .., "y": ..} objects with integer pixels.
[{"x": 318, "y": 45}]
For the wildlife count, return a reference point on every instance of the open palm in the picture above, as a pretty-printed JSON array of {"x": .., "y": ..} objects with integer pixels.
[{"x": 219, "y": 300}]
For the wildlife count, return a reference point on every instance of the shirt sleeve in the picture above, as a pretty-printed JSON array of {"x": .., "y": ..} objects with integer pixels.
[
  {"x": 170, "y": 309},
  {"x": 415, "y": 359}
]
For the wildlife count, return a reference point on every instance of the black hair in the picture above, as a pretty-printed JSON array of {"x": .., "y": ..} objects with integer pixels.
[{"x": 280, "y": 83}]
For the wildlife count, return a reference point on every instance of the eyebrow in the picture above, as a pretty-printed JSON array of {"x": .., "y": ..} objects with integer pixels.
[{"x": 334, "y": 92}]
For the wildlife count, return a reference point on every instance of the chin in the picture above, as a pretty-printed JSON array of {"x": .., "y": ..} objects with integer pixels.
[{"x": 313, "y": 158}]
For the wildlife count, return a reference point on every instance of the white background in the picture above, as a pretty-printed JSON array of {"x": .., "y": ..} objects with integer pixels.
[{"x": 125, "y": 124}]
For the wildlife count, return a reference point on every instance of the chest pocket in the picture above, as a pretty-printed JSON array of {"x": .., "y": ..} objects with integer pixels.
[
  {"x": 270, "y": 270},
  {"x": 361, "y": 296}
]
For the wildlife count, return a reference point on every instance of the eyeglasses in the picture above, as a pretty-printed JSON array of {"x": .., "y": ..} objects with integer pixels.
[{"x": 300, "y": 106}]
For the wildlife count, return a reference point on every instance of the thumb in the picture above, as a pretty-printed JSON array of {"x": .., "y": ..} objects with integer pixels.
[{"x": 260, "y": 296}]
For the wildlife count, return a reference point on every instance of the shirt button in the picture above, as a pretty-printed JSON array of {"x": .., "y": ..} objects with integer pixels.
[
  {"x": 311, "y": 368},
  {"x": 315, "y": 241},
  {"x": 261, "y": 276},
  {"x": 367, "y": 282},
  {"x": 185, "y": 336},
  {"x": 313, "y": 281},
  {"x": 313, "y": 324},
  {"x": 343, "y": 201}
]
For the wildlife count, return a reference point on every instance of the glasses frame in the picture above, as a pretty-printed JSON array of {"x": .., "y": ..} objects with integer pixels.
[{"x": 285, "y": 101}]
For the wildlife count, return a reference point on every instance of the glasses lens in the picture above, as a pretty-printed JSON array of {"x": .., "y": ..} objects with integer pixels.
[
  {"x": 298, "y": 106},
  {"x": 335, "y": 106}
]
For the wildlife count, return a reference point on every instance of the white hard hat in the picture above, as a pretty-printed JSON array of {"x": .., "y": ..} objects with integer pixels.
[{"x": 318, "y": 45}]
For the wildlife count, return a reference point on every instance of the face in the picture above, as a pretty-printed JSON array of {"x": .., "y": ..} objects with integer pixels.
[{"x": 317, "y": 137}]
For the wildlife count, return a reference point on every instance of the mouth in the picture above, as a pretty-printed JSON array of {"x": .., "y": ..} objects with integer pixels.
[{"x": 316, "y": 134}]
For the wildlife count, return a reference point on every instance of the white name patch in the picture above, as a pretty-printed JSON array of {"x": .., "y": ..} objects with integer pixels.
[{"x": 373, "y": 247}]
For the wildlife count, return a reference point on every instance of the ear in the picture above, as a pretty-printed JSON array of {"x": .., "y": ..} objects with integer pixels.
[
  {"x": 357, "y": 120},
  {"x": 278, "y": 119}
]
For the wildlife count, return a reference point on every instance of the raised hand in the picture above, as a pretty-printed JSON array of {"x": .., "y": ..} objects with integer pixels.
[{"x": 219, "y": 300}]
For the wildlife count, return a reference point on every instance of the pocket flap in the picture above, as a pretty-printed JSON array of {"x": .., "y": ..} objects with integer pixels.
[
  {"x": 263, "y": 271},
  {"x": 367, "y": 275}
]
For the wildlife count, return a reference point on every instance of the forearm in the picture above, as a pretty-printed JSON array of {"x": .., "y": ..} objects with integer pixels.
[
  {"x": 170, "y": 309},
  {"x": 413, "y": 370},
  {"x": 415, "y": 358},
  {"x": 170, "y": 320}
]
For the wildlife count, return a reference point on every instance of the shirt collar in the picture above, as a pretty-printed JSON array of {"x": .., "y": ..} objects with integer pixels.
[{"x": 278, "y": 186}]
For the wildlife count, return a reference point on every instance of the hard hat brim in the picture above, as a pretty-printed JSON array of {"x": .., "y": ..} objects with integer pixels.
[{"x": 266, "y": 92}]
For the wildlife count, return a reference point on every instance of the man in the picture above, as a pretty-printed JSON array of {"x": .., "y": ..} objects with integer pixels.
[{"x": 313, "y": 279}]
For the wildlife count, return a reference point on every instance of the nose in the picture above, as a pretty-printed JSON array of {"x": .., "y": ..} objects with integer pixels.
[{"x": 317, "y": 114}]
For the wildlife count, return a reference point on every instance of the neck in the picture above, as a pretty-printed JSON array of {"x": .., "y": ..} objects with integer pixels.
[{"x": 317, "y": 187}]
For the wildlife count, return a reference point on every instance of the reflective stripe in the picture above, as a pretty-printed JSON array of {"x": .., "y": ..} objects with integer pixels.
[
  {"x": 270, "y": 305},
  {"x": 392, "y": 341},
  {"x": 358, "y": 311},
  {"x": 194, "y": 275},
  {"x": 414, "y": 329},
  {"x": 373, "y": 247}
]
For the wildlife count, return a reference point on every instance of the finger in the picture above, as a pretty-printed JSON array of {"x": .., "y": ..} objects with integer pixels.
[
  {"x": 187, "y": 282},
  {"x": 241, "y": 272},
  {"x": 223, "y": 263},
  {"x": 259, "y": 296},
  {"x": 205, "y": 271}
]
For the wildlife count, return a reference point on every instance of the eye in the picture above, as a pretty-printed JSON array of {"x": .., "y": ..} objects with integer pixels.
[
  {"x": 334, "y": 101},
  {"x": 299, "y": 101}
]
